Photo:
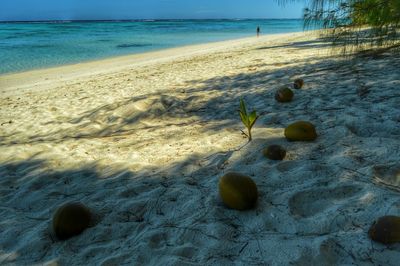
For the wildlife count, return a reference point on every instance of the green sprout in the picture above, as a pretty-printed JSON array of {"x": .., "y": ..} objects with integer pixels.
[{"x": 247, "y": 119}]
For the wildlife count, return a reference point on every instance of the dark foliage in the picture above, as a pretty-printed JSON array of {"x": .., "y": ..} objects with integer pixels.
[{"x": 356, "y": 25}]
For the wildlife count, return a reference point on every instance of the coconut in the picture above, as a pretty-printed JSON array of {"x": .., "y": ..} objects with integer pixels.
[
  {"x": 385, "y": 230},
  {"x": 238, "y": 191},
  {"x": 70, "y": 220},
  {"x": 284, "y": 95},
  {"x": 298, "y": 84},
  {"x": 274, "y": 152},
  {"x": 301, "y": 131}
]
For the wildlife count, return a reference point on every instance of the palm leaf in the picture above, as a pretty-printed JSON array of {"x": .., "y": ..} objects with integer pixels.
[
  {"x": 252, "y": 118},
  {"x": 243, "y": 107},
  {"x": 244, "y": 119},
  {"x": 247, "y": 119}
]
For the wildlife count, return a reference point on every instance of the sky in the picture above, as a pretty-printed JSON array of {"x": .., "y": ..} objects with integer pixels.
[{"x": 27, "y": 10}]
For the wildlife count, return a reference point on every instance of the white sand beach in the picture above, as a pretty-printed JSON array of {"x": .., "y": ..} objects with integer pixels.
[{"x": 142, "y": 140}]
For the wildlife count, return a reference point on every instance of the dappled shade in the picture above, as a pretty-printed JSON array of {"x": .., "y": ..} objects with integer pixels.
[{"x": 355, "y": 24}]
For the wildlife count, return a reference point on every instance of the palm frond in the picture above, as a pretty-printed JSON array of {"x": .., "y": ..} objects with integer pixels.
[{"x": 355, "y": 24}]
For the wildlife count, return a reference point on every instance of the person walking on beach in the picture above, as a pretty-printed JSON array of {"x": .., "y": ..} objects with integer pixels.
[{"x": 258, "y": 31}]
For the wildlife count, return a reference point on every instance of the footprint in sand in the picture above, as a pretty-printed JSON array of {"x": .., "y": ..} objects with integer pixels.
[
  {"x": 367, "y": 129},
  {"x": 141, "y": 105},
  {"x": 287, "y": 166},
  {"x": 133, "y": 108},
  {"x": 186, "y": 252},
  {"x": 128, "y": 193},
  {"x": 133, "y": 111},
  {"x": 310, "y": 202},
  {"x": 388, "y": 174},
  {"x": 330, "y": 253},
  {"x": 157, "y": 240}
]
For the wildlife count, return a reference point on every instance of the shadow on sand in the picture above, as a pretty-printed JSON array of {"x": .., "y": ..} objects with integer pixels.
[{"x": 175, "y": 211}]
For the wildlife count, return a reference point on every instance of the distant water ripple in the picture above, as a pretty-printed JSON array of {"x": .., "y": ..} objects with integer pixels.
[{"x": 133, "y": 45}]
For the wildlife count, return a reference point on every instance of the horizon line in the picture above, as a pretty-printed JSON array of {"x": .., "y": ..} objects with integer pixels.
[{"x": 139, "y": 20}]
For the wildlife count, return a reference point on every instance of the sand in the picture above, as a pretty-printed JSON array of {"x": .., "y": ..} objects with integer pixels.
[{"x": 142, "y": 140}]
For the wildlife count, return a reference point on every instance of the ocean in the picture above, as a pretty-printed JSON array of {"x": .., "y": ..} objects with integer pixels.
[{"x": 31, "y": 45}]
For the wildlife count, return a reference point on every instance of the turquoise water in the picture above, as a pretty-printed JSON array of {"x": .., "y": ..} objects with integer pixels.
[{"x": 26, "y": 46}]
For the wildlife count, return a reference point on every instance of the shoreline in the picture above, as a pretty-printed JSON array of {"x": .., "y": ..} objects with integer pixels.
[
  {"x": 45, "y": 76},
  {"x": 107, "y": 58}
]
